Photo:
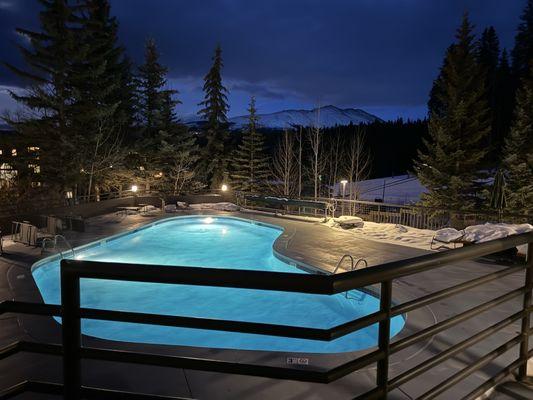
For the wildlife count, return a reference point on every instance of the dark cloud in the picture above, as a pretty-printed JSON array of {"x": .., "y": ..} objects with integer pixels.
[{"x": 352, "y": 53}]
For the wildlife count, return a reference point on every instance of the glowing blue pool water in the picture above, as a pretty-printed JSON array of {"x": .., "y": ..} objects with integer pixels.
[{"x": 210, "y": 242}]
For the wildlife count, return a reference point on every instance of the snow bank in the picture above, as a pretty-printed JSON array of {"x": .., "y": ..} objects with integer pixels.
[
  {"x": 488, "y": 231},
  {"x": 482, "y": 233},
  {"x": 448, "y": 235},
  {"x": 421, "y": 238},
  {"x": 346, "y": 222},
  {"x": 223, "y": 206},
  {"x": 389, "y": 233}
]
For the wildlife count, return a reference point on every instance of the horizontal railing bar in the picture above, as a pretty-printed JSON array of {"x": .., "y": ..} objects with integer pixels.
[
  {"x": 462, "y": 374},
  {"x": 201, "y": 323},
  {"x": 206, "y": 323},
  {"x": 32, "y": 347},
  {"x": 354, "y": 365},
  {"x": 448, "y": 323},
  {"x": 442, "y": 294},
  {"x": 200, "y": 276},
  {"x": 20, "y": 307},
  {"x": 396, "y": 269},
  {"x": 87, "y": 392},
  {"x": 355, "y": 325},
  {"x": 100, "y": 393},
  {"x": 284, "y": 281},
  {"x": 199, "y": 364},
  {"x": 500, "y": 376},
  {"x": 450, "y": 352},
  {"x": 14, "y": 390}
]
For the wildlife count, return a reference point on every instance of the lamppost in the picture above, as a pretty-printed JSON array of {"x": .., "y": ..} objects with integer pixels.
[
  {"x": 134, "y": 189},
  {"x": 343, "y": 183}
]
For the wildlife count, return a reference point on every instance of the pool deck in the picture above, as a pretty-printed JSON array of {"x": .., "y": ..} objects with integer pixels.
[{"x": 306, "y": 243}]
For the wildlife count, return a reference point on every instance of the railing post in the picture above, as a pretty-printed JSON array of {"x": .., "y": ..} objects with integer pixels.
[
  {"x": 524, "y": 344},
  {"x": 382, "y": 375},
  {"x": 71, "y": 332}
]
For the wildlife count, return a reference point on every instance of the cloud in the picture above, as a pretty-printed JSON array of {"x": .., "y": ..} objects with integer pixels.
[
  {"x": 379, "y": 53},
  {"x": 6, "y": 5}
]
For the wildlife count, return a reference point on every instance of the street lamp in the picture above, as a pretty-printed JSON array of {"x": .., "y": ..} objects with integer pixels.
[{"x": 343, "y": 183}]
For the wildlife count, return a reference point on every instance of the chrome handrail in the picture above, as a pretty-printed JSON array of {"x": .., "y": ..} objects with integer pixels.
[
  {"x": 342, "y": 259},
  {"x": 54, "y": 241},
  {"x": 66, "y": 242}
]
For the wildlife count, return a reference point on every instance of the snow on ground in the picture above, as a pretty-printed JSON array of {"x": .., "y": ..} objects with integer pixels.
[
  {"x": 389, "y": 233},
  {"x": 402, "y": 189},
  {"x": 223, "y": 206},
  {"x": 421, "y": 238}
]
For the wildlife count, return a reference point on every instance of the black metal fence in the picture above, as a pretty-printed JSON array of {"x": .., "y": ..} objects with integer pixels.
[
  {"x": 72, "y": 351},
  {"x": 415, "y": 216}
]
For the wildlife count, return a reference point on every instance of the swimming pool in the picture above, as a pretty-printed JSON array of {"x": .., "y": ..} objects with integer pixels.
[{"x": 217, "y": 242}]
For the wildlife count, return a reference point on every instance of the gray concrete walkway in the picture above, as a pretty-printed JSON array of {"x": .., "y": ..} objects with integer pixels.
[{"x": 305, "y": 242}]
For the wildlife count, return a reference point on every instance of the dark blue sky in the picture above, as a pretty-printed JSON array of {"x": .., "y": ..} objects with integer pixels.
[{"x": 379, "y": 55}]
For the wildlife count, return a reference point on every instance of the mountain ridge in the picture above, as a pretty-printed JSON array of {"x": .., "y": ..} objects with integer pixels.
[{"x": 328, "y": 116}]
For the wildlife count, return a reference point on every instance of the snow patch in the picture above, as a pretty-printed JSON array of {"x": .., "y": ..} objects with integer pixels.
[{"x": 223, "y": 206}]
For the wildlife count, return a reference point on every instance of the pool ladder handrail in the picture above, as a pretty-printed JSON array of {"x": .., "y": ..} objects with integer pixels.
[
  {"x": 353, "y": 264},
  {"x": 54, "y": 241}
]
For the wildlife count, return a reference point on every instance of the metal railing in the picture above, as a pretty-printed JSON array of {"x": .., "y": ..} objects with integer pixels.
[
  {"x": 72, "y": 351},
  {"x": 415, "y": 216}
]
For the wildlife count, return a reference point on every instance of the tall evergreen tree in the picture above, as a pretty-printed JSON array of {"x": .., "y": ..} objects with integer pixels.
[
  {"x": 215, "y": 107},
  {"x": 250, "y": 164},
  {"x": 522, "y": 54},
  {"x": 518, "y": 152},
  {"x": 450, "y": 165},
  {"x": 101, "y": 104},
  {"x": 152, "y": 93},
  {"x": 48, "y": 97},
  {"x": 503, "y": 112},
  {"x": 155, "y": 114},
  {"x": 488, "y": 57}
]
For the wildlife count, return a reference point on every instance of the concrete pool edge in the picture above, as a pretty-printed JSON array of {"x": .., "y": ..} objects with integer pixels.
[{"x": 325, "y": 360}]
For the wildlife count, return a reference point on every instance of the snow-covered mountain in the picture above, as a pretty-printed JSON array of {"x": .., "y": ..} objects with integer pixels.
[{"x": 326, "y": 117}]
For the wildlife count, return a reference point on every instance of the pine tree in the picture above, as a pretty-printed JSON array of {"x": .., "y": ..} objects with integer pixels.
[
  {"x": 488, "y": 55},
  {"x": 152, "y": 94},
  {"x": 450, "y": 165},
  {"x": 522, "y": 53},
  {"x": 250, "y": 164},
  {"x": 518, "y": 152},
  {"x": 101, "y": 105},
  {"x": 215, "y": 107},
  {"x": 47, "y": 100},
  {"x": 503, "y": 112}
]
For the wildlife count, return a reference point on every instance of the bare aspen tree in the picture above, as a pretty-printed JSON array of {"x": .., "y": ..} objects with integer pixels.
[
  {"x": 284, "y": 168},
  {"x": 316, "y": 158},
  {"x": 300, "y": 148},
  {"x": 357, "y": 162},
  {"x": 334, "y": 158},
  {"x": 106, "y": 152}
]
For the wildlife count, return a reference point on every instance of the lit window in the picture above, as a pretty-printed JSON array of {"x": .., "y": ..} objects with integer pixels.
[
  {"x": 36, "y": 168},
  {"x": 1, "y": 152},
  {"x": 14, "y": 152},
  {"x": 33, "y": 148}
]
